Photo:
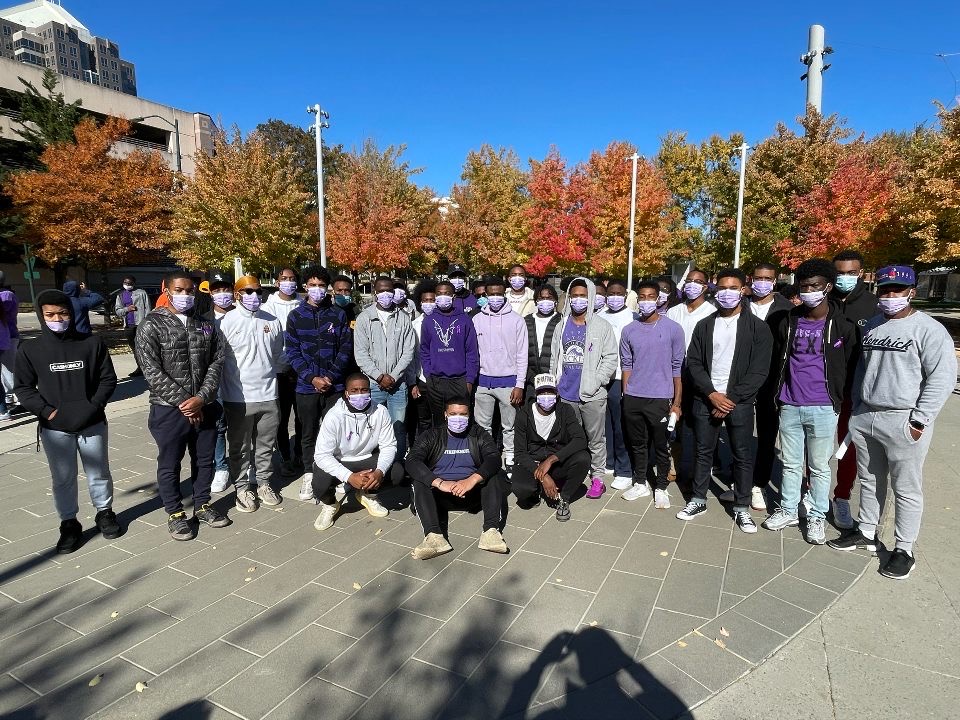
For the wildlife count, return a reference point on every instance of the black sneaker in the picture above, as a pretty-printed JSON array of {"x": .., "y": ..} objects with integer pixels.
[
  {"x": 899, "y": 565},
  {"x": 563, "y": 510},
  {"x": 853, "y": 539},
  {"x": 106, "y": 521},
  {"x": 691, "y": 510},
  {"x": 179, "y": 526},
  {"x": 71, "y": 534},
  {"x": 209, "y": 515}
]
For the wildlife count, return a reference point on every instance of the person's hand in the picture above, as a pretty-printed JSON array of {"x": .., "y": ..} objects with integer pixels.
[
  {"x": 322, "y": 384},
  {"x": 544, "y": 468},
  {"x": 721, "y": 402},
  {"x": 386, "y": 381},
  {"x": 374, "y": 480},
  {"x": 191, "y": 406},
  {"x": 914, "y": 433},
  {"x": 516, "y": 397},
  {"x": 415, "y": 392},
  {"x": 359, "y": 479},
  {"x": 549, "y": 487},
  {"x": 131, "y": 308},
  {"x": 719, "y": 414},
  {"x": 676, "y": 409},
  {"x": 462, "y": 487},
  {"x": 469, "y": 388},
  {"x": 195, "y": 420},
  {"x": 443, "y": 485},
  {"x": 52, "y": 415}
]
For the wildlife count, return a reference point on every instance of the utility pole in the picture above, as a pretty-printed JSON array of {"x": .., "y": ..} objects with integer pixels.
[
  {"x": 633, "y": 216},
  {"x": 743, "y": 174},
  {"x": 322, "y": 120},
  {"x": 813, "y": 59}
]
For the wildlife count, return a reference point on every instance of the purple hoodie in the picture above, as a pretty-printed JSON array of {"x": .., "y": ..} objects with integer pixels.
[
  {"x": 504, "y": 349},
  {"x": 448, "y": 346}
]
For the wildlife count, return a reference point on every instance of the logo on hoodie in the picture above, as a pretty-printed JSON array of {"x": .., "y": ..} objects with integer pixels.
[
  {"x": 445, "y": 335},
  {"x": 66, "y": 366}
]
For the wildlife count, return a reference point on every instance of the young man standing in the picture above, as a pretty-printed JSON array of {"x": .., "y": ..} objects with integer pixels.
[
  {"x": 763, "y": 300},
  {"x": 694, "y": 307},
  {"x": 343, "y": 297},
  {"x": 584, "y": 355},
  {"x": 464, "y": 299},
  {"x": 519, "y": 295},
  {"x": 132, "y": 306},
  {"x": 618, "y": 459},
  {"x": 814, "y": 347},
  {"x": 907, "y": 371},
  {"x": 449, "y": 353},
  {"x": 66, "y": 380},
  {"x": 540, "y": 328},
  {"x": 221, "y": 297},
  {"x": 728, "y": 360},
  {"x": 182, "y": 360},
  {"x": 319, "y": 348},
  {"x": 384, "y": 345},
  {"x": 503, "y": 345},
  {"x": 83, "y": 301},
  {"x": 858, "y": 305},
  {"x": 400, "y": 300},
  {"x": 651, "y": 353}
]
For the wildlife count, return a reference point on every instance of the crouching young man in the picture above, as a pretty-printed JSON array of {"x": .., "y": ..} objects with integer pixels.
[
  {"x": 457, "y": 467},
  {"x": 551, "y": 450},
  {"x": 356, "y": 447}
]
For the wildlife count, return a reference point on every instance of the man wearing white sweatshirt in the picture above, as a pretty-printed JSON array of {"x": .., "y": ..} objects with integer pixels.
[
  {"x": 254, "y": 343},
  {"x": 357, "y": 447}
]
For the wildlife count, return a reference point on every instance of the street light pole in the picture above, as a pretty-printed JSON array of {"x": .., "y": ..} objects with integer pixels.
[
  {"x": 743, "y": 169},
  {"x": 633, "y": 215},
  {"x": 322, "y": 120},
  {"x": 176, "y": 135}
]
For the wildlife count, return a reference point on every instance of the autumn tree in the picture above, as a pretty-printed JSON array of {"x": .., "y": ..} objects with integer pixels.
[
  {"x": 280, "y": 136},
  {"x": 96, "y": 207},
  {"x": 46, "y": 118},
  {"x": 244, "y": 201}
]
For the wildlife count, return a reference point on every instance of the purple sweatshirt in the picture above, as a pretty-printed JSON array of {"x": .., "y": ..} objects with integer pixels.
[
  {"x": 654, "y": 355},
  {"x": 448, "y": 346},
  {"x": 504, "y": 347}
]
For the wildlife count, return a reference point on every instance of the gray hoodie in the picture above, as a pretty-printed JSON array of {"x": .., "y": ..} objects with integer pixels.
[{"x": 600, "y": 356}]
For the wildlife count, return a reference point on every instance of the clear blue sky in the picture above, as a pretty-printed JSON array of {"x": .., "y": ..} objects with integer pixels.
[{"x": 445, "y": 77}]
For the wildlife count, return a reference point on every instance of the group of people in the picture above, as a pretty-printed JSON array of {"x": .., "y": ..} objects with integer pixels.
[{"x": 471, "y": 393}]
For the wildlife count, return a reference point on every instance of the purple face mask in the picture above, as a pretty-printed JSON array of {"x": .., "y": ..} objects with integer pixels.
[
  {"x": 693, "y": 290},
  {"x": 547, "y": 401},
  {"x": 222, "y": 299},
  {"x": 517, "y": 282},
  {"x": 457, "y": 423},
  {"x": 762, "y": 288},
  {"x": 288, "y": 287},
  {"x": 182, "y": 303},
  {"x": 316, "y": 293},
  {"x": 399, "y": 296},
  {"x": 546, "y": 307},
  {"x": 250, "y": 302},
  {"x": 58, "y": 326},
  {"x": 496, "y": 302},
  {"x": 444, "y": 302},
  {"x": 385, "y": 300},
  {"x": 891, "y": 306},
  {"x": 359, "y": 402},
  {"x": 616, "y": 302},
  {"x": 578, "y": 304},
  {"x": 728, "y": 299},
  {"x": 599, "y": 302},
  {"x": 662, "y": 298},
  {"x": 646, "y": 308},
  {"x": 427, "y": 308}
]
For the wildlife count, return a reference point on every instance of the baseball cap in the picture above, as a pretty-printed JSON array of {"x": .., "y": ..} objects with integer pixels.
[
  {"x": 456, "y": 269},
  {"x": 221, "y": 279},
  {"x": 545, "y": 381},
  {"x": 896, "y": 275}
]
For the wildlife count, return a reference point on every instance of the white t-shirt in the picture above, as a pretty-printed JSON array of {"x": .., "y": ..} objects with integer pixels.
[
  {"x": 543, "y": 423},
  {"x": 540, "y": 324},
  {"x": 182, "y": 318},
  {"x": 517, "y": 302},
  {"x": 761, "y": 310},
  {"x": 688, "y": 320},
  {"x": 619, "y": 320},
  {"x": 724, "y": 344}
]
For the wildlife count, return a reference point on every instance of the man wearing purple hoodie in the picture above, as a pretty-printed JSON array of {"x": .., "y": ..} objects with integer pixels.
[{"x": 503, "y": 342}]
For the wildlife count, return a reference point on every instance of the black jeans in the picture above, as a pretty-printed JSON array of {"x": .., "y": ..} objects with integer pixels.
[
  {"x": 706, "y": 428},
  {"x": 286, "y": 397},
  {"x": 568, "y": 475},
  {"x": 645, "y": 426},
  {"x": 311, "y": 409},
  {"x": 768, "y": 424},
  {"x": 175, "y": 436},
  {"x": 433, "y": 506},
  {"x": 324, "y": 483},
  {"x": 439, "y": 391}
]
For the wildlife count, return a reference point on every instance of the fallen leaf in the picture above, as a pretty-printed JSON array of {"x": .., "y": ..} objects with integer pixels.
[
  {"x": 140, "y": 687},
  {"x": 95, "y": 680},
  {"x": 252, "y": 569},
  {"x": 681, "y": 643},
  {"x": 559, "y": 579},
  {"x": 697, "y": 632},
  {"x": 379, "y": 530},
  {"x": 214, "y": 547},
  {"x": 114, "y": 614},
  {"x": 593, "y": 623},
  {"x": 724, "y": 632},
  {"x": 720, "y": 643},
  {"x": 247, "y": 579},
  {"x": 356, "y": 586},
  {"x": 76, "y": 566},
  {"x": 664, "y": 554}
]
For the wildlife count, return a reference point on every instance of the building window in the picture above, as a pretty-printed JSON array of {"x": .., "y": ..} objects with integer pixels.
[
  {"x": 73, "y": 51},
  {"x": 6, "y": 29},
  {"x": 74, "y": 64},
  {"x": 113, "y": 64},
  {"x": 59, "y": 33}
]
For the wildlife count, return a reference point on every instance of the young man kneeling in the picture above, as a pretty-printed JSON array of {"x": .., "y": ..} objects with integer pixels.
[{"x": 457, "y": 467}]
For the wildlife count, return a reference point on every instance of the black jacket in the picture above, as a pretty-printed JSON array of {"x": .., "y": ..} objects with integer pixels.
[
  {"x": 841, "y": 349},
  {"x": 430, "y": 446},
  {"x": 751, "y": 357},
  {"x": 539, "y": 363},
  {"x": 566, "y": 436},
  {"x": 780, "y": 304},
  {"x": 857, "y": 306},
  {"x": 68, "y": 372}
]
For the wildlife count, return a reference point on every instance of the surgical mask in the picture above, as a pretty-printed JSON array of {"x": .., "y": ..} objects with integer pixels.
[
  {"x": 341, "y": 300},
  {"x": 457, "y": 423},
  {"x": 891, "y": 306},
  {"x": 359, "y": 402},
  {"x": 458, "y": 283},
  {"x": 427, "y": 308},
  {"x": 222, "y": 299},
  {"x": 616, "y": 302},
  {"x": 693, "y": 290},
  {"x": 127, "y": 286},
  {"x": 182, "y": 303},
  {"x": 646, "y": 307},
  {"x": 762, "y": 288},
  {"x": 546, "y": 307},
  {"x": 495, "y": 302},
  {"x": 517, "y": 282},
  {"x": 316, "y": 293},
  {"x": 250, "y": 301},
  {"x": 578, "y": 304},
  {"x": 599, "y": 302},
  {"x": 812, "y": 299},
  {"x": 846, "y": 283},
  {"x": 662, "y": 298},
  {"x": 58, "y": 325},
  {"x": 728, "y": 299},
  {"x": 288, "y": 287},
  {"x": 399, "y": 296},
  {"x": 481, "y": 302},
  {"x": 547, "y": 401},
  {"x": 444, "y": 302},
  {"x": 385, "y": 300}
]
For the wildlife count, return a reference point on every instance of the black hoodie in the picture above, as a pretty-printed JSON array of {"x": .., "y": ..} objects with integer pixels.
[
  {"x": 68, "y": 372},
  {"x": 857, "y": 306}
]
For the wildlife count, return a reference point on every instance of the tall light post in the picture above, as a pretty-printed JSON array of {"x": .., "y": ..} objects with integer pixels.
[
  {"x": 321, "y": 120},
  {"x": 633, "y": 216},
  {"x": 176, "y": 135},
  {"x": 743, "y": 170}
]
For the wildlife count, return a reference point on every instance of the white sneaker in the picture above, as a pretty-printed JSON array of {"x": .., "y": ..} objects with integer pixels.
[
  {"x": 757, "y": 500},
  {"x": 246, "y": 501},
  {"x": 622, "y": 482},
  {"x": 306, "y": 487},
  {"x": 327, "y": 514},
  {"x": 661, "y": 499},
  {"x": 221, "y": 478},
  {"x": 841, "y": 514},
  {"x": 637, "y": 491},
  {"x": 268, "y": 496},
  {"x": 727, "y": 496},
  {"x": 372, "y": 505}
]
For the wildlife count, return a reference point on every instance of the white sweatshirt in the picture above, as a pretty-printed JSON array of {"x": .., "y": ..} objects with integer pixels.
[
  {"x": 281, "y": 309},
  {"x": 351, "y": 436},
  {"x": 251, "y": 356}
]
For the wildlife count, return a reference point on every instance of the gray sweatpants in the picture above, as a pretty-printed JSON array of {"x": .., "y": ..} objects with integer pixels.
[
  {"x": 251, "y": 426},
  {"x": 485, "y": 401},
  {"x": 593, "y": 416},
  {"x": 887, "y": 453}
]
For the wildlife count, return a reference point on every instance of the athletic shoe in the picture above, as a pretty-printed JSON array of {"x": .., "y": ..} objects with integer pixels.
[
  {"x": 106, "y": 521},
  {"x": 637, "y": 491},
  {"x": 179, "y": 526},
  {"x": 745, "y": 522},
  {"x": 853, "y": 539},
  {"x": 597, "y": 488},
  {"x": 328, "y": 512},
  {"x": 778, "y": 520},
  {"x": 691, "y": 510},
  {"x": 221, "y": 479},
  {"x": 268, "y": 496},
  {"x": 433, "y": 544},
  {"x": 622, "y": 482},
  {"x": 246, "y": 501},
  {"x": 5, "y": 416},
  {"x": 898, "y": 566},
  {"x": 211, "y": 516},
  {"x": 727, "y": 496},
  {"x": 492, "y": 541},
  {"x": 372, "y": 505},
  {"x": 816, "y": 531},
  {"x": 71, "y": 533},
  {"x": 563, "y": 510},
  {"x": 306, "y": 487},
  {"x": 661, "y": 499},
  {"x": 841, "y": 514},
  {"x": 757, "y": 501}
]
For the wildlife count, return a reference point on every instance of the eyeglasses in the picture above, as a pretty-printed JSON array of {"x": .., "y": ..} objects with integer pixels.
[{"x": 250, "y": 291}]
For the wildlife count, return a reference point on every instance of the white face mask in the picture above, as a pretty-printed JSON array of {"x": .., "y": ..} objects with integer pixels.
[{"x": 127, "y": 286}]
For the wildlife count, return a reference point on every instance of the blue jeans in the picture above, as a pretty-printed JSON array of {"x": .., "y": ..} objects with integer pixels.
[
  {"x": 220, "y": 452},
  {"x": 618, "y": 459},
  {"x": 812, "y": 429},
  {"x": 395, "y": 401},
  {"x": 61, "y": 449}
]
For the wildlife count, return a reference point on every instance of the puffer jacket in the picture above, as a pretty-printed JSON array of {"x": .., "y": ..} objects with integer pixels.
[{"x": 178, "y": 361}]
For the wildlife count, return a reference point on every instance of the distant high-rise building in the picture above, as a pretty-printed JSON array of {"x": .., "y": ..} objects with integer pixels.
[{"x": 44, "y": 34}]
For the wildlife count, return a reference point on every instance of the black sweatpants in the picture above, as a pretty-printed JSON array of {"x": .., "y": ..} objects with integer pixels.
[
  {"x": 645, "y": 425},
  {"x": 568, "y": 475},
  {"x": 175, "y": 436},
  {"x": 325, "y": 484},
  {"x": 439, "y": 391},
  {"x": 768, "y": 424},
  {"x": 739, "y": 424},
  {"x": 286, "y": 400},
  {"x": 311, "y": 409},
  {"x": 433, "y": 506}
]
